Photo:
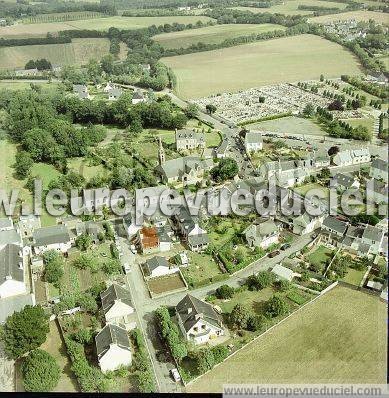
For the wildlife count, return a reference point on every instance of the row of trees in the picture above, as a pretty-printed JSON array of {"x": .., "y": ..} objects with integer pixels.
[{"x": 371, "y": 88}]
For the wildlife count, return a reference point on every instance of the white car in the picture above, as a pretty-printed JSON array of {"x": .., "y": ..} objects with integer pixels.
[{"x": 176, "y": 376}]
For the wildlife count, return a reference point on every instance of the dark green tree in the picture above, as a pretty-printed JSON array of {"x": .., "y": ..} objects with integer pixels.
[
  {"x": 25, "y": 330},
  {"x": 40, "y": 372}
]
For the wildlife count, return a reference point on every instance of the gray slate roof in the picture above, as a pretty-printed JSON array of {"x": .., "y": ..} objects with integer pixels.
[
  {"x": 111, "y": 334},
  {"x": 9, "y": 263},
  {"x": 9, "y": 236},
  {"x": 9, "y": 305},
  {"x": 335, "y": 224},
  {"x": 344, "y": 180},
  {"x": 373, "y": 233},
  {"x": 196, "y": 240},
  {"x": 185, "y": 134},
  {"x": 182, "y": 165},
  {"x": 113, "y": 293},
  {"x": 155, "y": 262},
  {"x": 190, "y": 309},
  {"x": 51, "y": 235},
  {"x": 379, "y": 164}
]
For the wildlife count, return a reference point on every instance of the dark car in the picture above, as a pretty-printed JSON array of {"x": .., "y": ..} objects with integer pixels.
[
  {"x": 273, "y": 254},
  {"x": 285, "y": 246}
]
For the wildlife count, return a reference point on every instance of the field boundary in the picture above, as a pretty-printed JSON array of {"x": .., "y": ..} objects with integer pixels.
[{"x": 321, "y": 294}]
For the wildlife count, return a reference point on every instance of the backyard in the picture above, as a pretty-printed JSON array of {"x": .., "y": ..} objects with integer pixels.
[
  {"x": 329, "y": 341},
  {"x": 202, "y": 269},
  {"x": 166, "y": 284},
  {"x": 320, "y": 257},
  {"x": 258, "y": 64}
]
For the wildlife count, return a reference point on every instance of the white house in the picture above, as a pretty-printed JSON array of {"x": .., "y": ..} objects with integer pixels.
[
  {"x": 262, "y": 235},
  {"x": 343, "y": 182},
  {"x": 343, "y": 158},
  {"x": 253, "y": 141},
  {"x": 56, "y": 237},
  {"x": 158, "y": 266},
  {"x": 282, "y": 272},
  {"x": 305, "y": 223},
  {"x": 114, "y": 93},
  {"x": 117, "y": 306},
  {"x": 361, "y": 155},
  {"x": 372, "y": 237},
  {"x": 198, "y": 321},
  {"x": 113, "y": 348}
]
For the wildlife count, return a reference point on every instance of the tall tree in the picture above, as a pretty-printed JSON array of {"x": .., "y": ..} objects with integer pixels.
[{"x": 25, "y": 330}]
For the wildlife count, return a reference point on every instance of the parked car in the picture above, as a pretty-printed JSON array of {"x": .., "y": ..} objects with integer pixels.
[
  {"x": 285, "y": 246},
  {"x": 273, "y": 254},
  {"x": 176, "y": 376}
]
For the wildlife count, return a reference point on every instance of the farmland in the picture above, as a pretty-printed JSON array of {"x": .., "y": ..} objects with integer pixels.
[
  {"x": 41, "y": 29},
  {"x": 78, "y": 52},
  {"x": 62, "y": 16},
  {"x": 290, "y": 7},
  {"x": 211, "y": 34},
  {"x": 378, "y": 17},
  {"x": 329, "y": 341},
  {"x": 289, "y": 125},
  {"x": 258, "y": 64}
]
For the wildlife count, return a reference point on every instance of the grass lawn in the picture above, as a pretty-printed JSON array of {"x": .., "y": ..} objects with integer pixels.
[
  {"x": 320, "y": 256},
  {"x": 290, "y": 7},
  {"x": 289, "y": 125},
  {"x": 303, "y": 189},
  {"x": 223, "y": 232},
  {"x": 41, "y": 29},
  {"x": 340, "y": 338},
  {"x": 257, "y": 64},
  {"x": 20, "y": 85},
  {"x": 354, "y": 276},
  {"x": 211, "y": 34},
  {"x": 81, "y": 166},
  {"x": 201, "y": 270},
  {"x": 378, "y": 17},
  {"x": 55, "y": 347},
  {"x": 365, "y": 122},
  {"x": 45, "y": 172},
  {"x": 251, "y": 299}
]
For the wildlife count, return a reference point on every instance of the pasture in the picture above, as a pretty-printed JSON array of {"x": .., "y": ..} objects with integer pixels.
[
  {"x": 290, "y": 7},
  {"x": 365, "y": 16},
  {"x": 41, "y": 29},
  {"x": 289, "y": 125},
  {"x": 78, "y": 52},
  {"x": 339, "y": 338},
  {"x": 211, "y": 34},
  {"x": 286, "y": 59}
]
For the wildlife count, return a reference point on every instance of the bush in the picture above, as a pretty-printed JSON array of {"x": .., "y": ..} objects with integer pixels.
[
  {"x": 239, "y": 316},
  {"x": 225, "y": 292},
  {"x": 220, "y": 353},
  {"x": 53, "y": 266},
  {"x": 40, "y": 372},
  {"x": 260, "y": 281},
  {"x": 276, "y": 306}
]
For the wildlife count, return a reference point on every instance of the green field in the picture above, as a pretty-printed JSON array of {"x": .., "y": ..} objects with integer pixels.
[
  {"x": 289, "y": 125},
  {"x": 365, "y": 122},
  {"x": 211, "y": 34},
  {"x": 378, "y": 17},
  {"x": 41, "y": 29},
  {"x": 290, "y": 7},
  {"x": 257, "y": 64},
  {"x": 340, "y": 338},
  {"x": 320, "y": 257},
  {"x": 78, "y": 52}
]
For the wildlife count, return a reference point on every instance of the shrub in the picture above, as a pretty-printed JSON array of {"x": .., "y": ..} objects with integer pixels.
[
  {"x": 224, "y": 292},
  {"x": 40, "y": 372},
  {"x": 276, "y": 306}
]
